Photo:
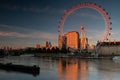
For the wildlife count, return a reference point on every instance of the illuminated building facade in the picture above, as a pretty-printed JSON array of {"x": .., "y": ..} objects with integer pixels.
[
  {"x": 83, "y": 39},
  {"x": 37, "y": 45},
  {"x": 60, "y": 41},
  {"x": 83, "y": 42},
  {"x": 72, "y": 39}
]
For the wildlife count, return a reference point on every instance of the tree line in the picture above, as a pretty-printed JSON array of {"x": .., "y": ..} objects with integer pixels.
[
  {"x": 46, "y": 50},
  {"x": 30, "y": 50}
]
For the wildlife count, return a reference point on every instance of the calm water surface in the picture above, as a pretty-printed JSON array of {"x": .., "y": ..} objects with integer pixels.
[{"x": 63, "y": 69}]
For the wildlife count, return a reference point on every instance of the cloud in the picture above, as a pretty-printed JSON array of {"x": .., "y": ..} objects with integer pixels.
[
  {"x": 22, "y": 32},
  {"x": 22, "y": 40},
  {"x": 115, "y": 32},
  {"x": 81, "y": 14},
  {"x": 94, "y": 31},
  {"x": 99, "y": 35},
  {"x": 115, "y": 35},
  {"x": 11, "y": 28},
  {"x": 35, "y": 9},
  {"x": 41, "y": 35}
]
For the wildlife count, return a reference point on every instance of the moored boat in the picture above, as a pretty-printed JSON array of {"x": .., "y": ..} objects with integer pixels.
[{"x": 34, "y": 70}]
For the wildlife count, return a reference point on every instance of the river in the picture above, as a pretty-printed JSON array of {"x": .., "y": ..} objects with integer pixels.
[{"x": 63, "y": 69}]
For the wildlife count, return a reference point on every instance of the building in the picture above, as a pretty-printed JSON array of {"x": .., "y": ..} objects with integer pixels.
[
  {"x": 47, "y": 44},
  {"x": 72, "y": 39},
  {"x": 7, "y": 48},
  {"x": 108, "y": 48},
  {"x": 91, "y": 48},
  {"x": 83, "y": 39},
  {"x": 83, "y": 42},
  {"x": 37, "y": 45},
  {"x": 61, "y": 41}
]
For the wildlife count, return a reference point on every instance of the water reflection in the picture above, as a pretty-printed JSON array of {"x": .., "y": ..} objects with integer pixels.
[
  {"x": 20, "y": 64},
  {"x": 77, "y": 69},
  {"x": 72, "y": 69},
  {"x": 65, "y": 69},
  {"x": 83, "y": 70}
]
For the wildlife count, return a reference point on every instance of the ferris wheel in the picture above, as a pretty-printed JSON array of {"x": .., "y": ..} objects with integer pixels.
[{"x": 102, "y": 11}]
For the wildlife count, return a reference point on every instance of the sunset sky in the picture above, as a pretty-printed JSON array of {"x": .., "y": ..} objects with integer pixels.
[{"x": 23, "y": 23}]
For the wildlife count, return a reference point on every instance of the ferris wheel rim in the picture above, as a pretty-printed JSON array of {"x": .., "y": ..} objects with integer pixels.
[{"x": 87, "y": 5}]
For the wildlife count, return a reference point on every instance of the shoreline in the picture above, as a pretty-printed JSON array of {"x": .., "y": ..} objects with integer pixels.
[{"x": 52, "y": 55}]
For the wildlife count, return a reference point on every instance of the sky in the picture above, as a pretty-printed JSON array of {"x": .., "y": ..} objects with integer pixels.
[{"x": 23, "y": 23}]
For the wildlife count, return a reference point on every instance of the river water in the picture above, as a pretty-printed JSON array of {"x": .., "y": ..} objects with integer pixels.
[{"x": 63, "y": 69}]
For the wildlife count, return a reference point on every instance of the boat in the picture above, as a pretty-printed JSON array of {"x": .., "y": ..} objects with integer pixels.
[{"x": 34, "y": 70}]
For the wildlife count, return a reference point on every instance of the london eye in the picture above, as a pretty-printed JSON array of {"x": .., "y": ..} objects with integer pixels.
[{"x": 98, "y": 8}]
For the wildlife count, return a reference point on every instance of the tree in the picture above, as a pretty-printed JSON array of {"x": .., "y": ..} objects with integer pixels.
[
  {"x": 48, "y": 50},
  {"x": 53, "y": 50},
  {"x": 63, "y": 50},
  {"x": 44, "y": 50}
]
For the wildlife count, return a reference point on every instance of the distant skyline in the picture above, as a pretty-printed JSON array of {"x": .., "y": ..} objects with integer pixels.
[{"x": 23, "y": 23}]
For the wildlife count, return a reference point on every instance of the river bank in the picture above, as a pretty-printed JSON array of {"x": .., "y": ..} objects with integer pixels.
[
  {"x": 61, "y": 55},
  {"x": 49, "y": 55}
]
